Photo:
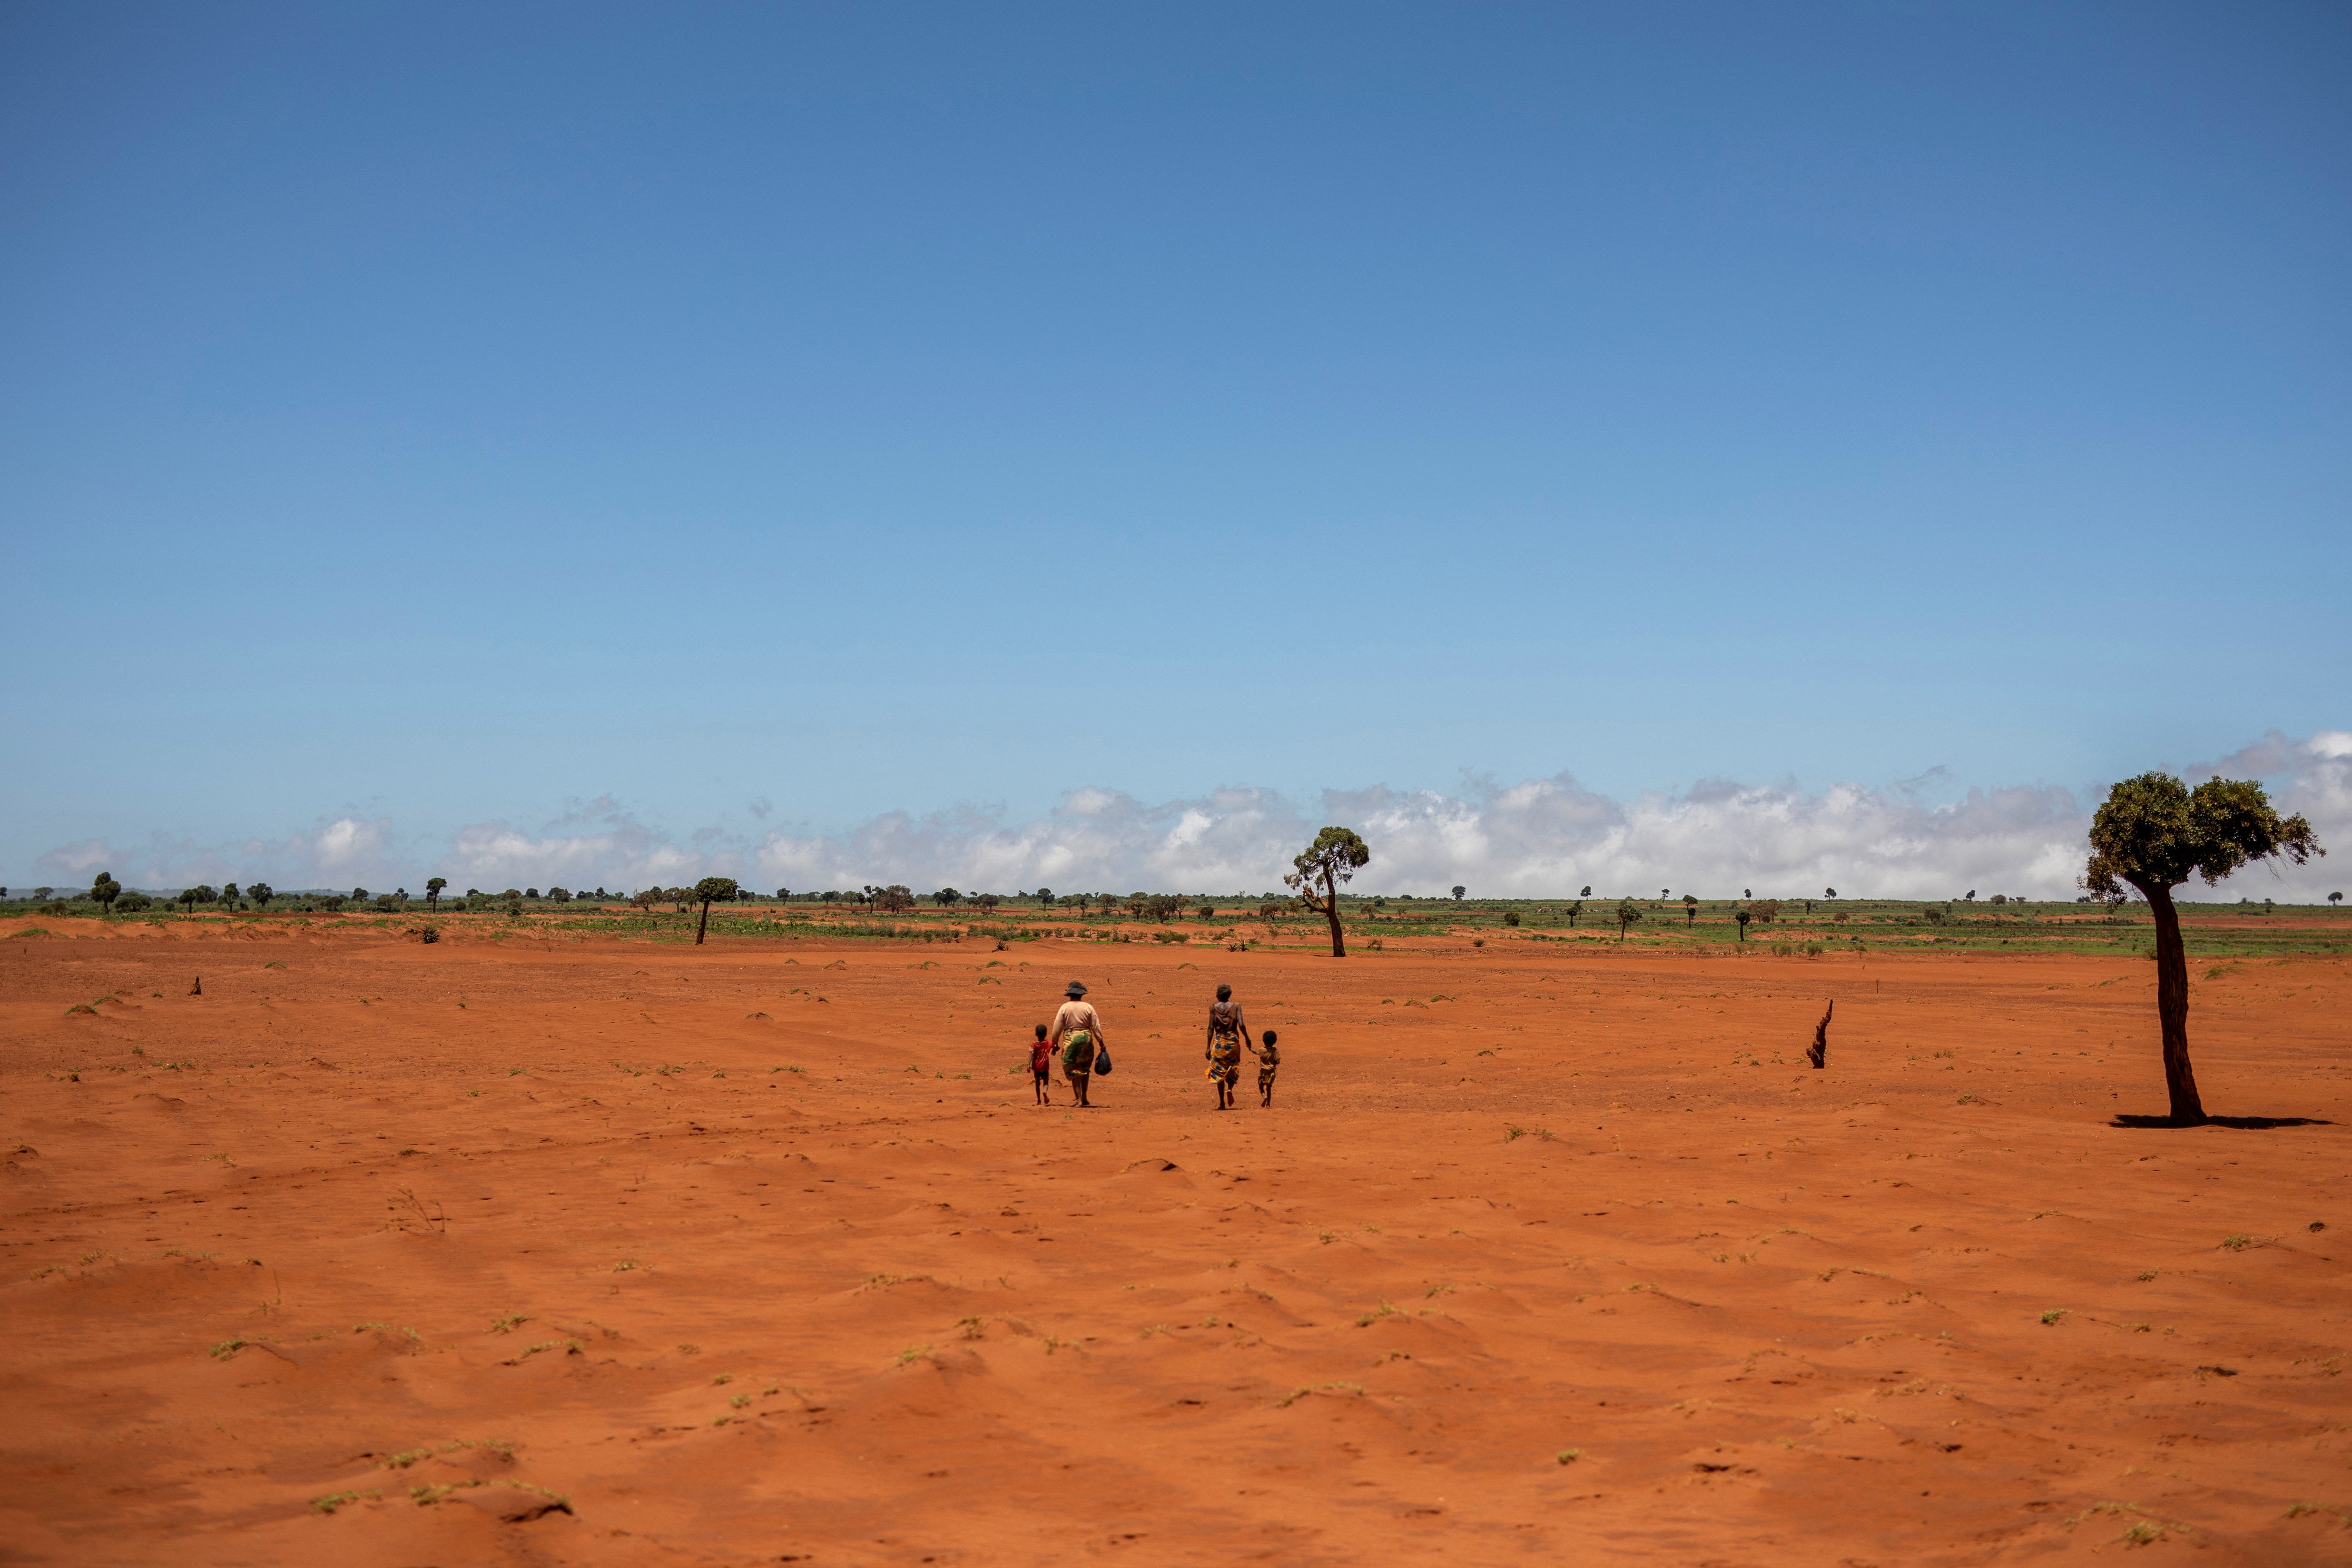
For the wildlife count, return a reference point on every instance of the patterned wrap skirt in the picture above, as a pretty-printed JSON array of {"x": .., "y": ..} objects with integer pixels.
[{"x": 1226, "y": 1058}]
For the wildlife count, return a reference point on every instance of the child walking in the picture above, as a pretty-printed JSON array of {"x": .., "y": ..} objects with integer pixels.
[
  {"x": 1268, "y": 1060},
  {"x": 1041, "y": 1066}
]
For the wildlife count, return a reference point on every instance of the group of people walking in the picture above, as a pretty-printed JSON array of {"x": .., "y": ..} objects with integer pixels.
[{"x": 1076, "y": 1036}]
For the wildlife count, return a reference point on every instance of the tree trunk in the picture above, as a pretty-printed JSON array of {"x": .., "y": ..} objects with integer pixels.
[
  {"x": 1331, "y": 913},
  {"x": 2172, "y": 1006},
  {"x": 706, "y": 923}
]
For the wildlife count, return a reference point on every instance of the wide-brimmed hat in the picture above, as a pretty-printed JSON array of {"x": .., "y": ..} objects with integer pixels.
[{"x": 1077, "y": 990}]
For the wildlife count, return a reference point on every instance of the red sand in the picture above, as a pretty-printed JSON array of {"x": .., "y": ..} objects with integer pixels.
[{"x": 883, "y": 1311}]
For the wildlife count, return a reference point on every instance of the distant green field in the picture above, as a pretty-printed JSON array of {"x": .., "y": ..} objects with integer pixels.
[{"x": 1828, "y": 925}]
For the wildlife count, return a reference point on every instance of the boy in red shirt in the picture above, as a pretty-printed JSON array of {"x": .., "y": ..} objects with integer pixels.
[{"x": 1041, "y": 1065}]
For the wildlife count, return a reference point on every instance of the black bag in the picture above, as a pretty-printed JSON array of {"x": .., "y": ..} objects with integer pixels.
[{"x": 1102, "y": 1060}]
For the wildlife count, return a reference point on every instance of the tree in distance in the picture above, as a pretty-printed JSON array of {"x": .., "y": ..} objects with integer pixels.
[
  {"x": 188, "y": 899},
  {"x": 1574, "y": 910},
  {"x": 359, "y": 896},
  {"x": 1747, "y": 893},
  {"x": 783, "y": 895},
  {"x": 229, "y": 895},
  {"x": 947, "y": 897},
  {"x": 1829, "y": 892},
  {"x": 711, "y": 890},
  {"x": 2335, "y": 898},
  {"x": 43, "y": 894},
  {"x": 1336, "y": 855},
  {"x": 1690, "y": 909},
  {"x": 1510, "y": 917},
  {"x": 1743, "y": 917},
  {"x": 1459, "y": 890},
  {"x": 1664, "y": 894},
  {"x": 1626, "y": 914},
  {"x": 894, "y": 899},
  {"x": 2153, "y": 833},
  {"x": 1587, "y": 892},
  {"x": 1044, "y": 898},
  {"x": 261, "y": 893},
  {"x": 104, "y": 890},
  {"x": 433, "y": 886}
]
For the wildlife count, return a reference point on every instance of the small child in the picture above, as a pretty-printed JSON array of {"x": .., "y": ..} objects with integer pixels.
[
  {"x": 1041, "y": 1066},
  {"x": 1268, "y": 1060}
]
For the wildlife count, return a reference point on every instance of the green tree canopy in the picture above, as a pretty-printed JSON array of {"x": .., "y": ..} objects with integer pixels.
[
  {"x": 1336, "y": 855},
  {"x": 104, "y": 890},
  {"x": 2153, "y": 833},
  {"x": 261, "y": 893},
  {"x": 709, "y": 891},
  {"x": 1627, "y": 913}
]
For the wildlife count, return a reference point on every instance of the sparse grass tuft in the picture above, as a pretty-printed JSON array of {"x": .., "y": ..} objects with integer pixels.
[
  {"x": 1568, "y": 1456},
  {"x": 335, "y": 1500},
  {"x": 1304, "y": 1389},
  {"x": 362, "y": 1328}
]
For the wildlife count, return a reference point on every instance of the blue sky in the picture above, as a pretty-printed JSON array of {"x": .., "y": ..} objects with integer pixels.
[{"x": 767, "y": 420}]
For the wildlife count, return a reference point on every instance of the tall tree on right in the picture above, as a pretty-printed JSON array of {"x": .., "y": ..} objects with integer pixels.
[
  {"x": 1336, "y": 855},
  {"x": 2154, "y": 833}
]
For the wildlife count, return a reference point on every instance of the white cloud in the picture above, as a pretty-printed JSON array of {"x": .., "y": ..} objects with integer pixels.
[
  {"x": 1546, "y": 837},
  {"x": 346, "y": 851}
]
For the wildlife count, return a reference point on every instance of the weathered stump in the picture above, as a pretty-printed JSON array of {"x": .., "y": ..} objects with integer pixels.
[{"x": 1818, "y": 1054}]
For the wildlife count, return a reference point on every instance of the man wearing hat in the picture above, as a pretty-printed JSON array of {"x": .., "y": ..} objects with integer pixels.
[{"x": 1077, "y": 1034}]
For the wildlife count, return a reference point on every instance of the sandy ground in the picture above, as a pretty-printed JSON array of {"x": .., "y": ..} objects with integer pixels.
[{"x": 759, "y": 1252}]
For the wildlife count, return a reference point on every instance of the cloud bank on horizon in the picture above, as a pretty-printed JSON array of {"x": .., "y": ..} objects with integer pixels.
[{"x": 1541, "y": 838}]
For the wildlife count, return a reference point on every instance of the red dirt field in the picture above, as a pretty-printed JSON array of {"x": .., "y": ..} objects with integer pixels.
[{"x": 758, "y": 1252}]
